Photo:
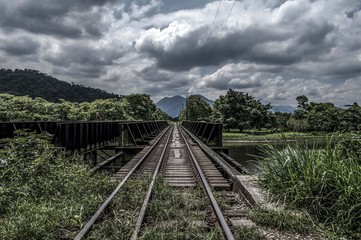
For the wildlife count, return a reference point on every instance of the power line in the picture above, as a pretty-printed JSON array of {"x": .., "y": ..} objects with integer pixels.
[
  {"x": 209, "y": 34},
  {"x": 207, "y": 39},
  {"x": 220, "y": 35}
]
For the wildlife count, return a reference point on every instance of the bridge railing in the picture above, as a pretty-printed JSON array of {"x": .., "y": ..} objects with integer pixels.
[
  {"x": 82, "y": 135},
  {"x": 7, "y": 129},
  {"x": 209, "y": 133}
]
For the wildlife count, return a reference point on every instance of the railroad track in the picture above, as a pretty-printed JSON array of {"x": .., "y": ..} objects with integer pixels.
[{"x": 183, "y": 167}]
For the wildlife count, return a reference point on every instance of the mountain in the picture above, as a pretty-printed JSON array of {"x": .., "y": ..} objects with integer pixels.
[
  {"x": 173, "y": 105},
  {"x": 36, "y": 84},
  {"x": 282, "y": 109}
]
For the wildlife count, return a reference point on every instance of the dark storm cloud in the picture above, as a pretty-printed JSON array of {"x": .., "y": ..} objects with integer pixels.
[
  {"x": 158, "y": 88},
  {"x": 263, "y": 45},
  {"x": 50, "y": 17},
  {"x": 84, "y": 55},
  {"x": 152, "y": 74},
  {"x": 342, "y": 70},
  {"x": 19, "y": 46},
  {"x": 172, "y": 6},
  {"x": 82, "y": 61},
  {"x": 112, "y": 79},
  {"x": 183, "y": 56},
  {"x": 80, "y": 72},
  {"x": 351, "y": 13}
]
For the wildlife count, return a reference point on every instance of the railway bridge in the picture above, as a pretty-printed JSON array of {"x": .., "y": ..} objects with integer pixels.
[{"x": 186, "y": 155}]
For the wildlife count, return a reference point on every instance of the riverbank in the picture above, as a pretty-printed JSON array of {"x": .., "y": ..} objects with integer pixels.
[{"x": 264, "y": 136}]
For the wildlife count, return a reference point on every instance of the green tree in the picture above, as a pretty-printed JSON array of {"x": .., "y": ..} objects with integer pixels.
[
  {"x": 241, "y": 110},
  {"x": 196, "y": 109},
  {"x": 24, "y": 108},
  {"x": 323, "y": 117},
  {"x": 298, "y": 120},
  {"x": 350, "y": 119},
  {"x": 139, "y": 106},
  {"x": 159, "y": 115},
  {"x": 107, "y": 109},
  {"x": 278, "y": 121}
]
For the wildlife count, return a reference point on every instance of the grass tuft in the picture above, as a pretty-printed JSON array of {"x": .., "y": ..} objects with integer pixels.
[
  {"x": 325, "y": 182},
  {"x": 248, "y": 233},
  {"x": 283, "y": 220},
  {"x": 177, "y": 213}
]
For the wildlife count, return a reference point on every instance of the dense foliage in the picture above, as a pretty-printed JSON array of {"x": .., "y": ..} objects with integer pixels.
[
  {"x": 325, "y": 117},
  {"x": 131, "y": 107},
  {"x": 326, "y": 182},
  {"x": 196, "y": 109},
  {"x": 240, "y": 110},
  {"x": 33, "y": 83},
  {"x": 45, "y": 194}
]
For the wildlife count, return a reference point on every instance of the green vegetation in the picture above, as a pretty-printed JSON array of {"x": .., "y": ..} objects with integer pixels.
[
  {"x": 196, "y": 109},
  {"x": 247, "y": 233},
  {"x": 177, "y": 213},
  {"x": 240, "y": 110},
  {"x": 119, "y": 222},
  {"x": 325, "y": 182},
  {"x": 283, "y": 220},
  {"x": 324, "y": 117},
  {"x": 33, "y": 83},
  {"x": 131, "y": 107},
  {"x": 265, "y": 135},
  {"x": 43, "y": 193}
]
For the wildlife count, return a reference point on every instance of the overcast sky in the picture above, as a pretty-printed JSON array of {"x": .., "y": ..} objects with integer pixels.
[{"x": 274, "y": 50}]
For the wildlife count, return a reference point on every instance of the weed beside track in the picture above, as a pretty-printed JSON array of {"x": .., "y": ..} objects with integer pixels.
[
  {"x": 178, "y": 213},
  {"x": 119, "y": 219}
]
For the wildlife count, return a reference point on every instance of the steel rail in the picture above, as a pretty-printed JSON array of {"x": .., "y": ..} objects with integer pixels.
[
  {"x": 222, "y": 221},
  {"x": 93, "y": 219},
  {"x": 150, "y": 189}
]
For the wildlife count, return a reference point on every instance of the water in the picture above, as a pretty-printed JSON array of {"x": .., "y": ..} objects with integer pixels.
[
  {"x": 249, "y": 153},
  {"x": 246, "y": 154}
]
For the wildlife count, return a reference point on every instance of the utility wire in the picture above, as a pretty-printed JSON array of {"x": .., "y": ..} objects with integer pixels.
[
  {"x": 207, "y": 39},
  {"x": 220, "y": 35},
  {"x": 209, "y": 34}
]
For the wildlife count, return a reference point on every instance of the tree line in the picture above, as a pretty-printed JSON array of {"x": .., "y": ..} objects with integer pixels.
[
  {"x": 239, "y": 110},
  {"x": 130, "y": 107}
]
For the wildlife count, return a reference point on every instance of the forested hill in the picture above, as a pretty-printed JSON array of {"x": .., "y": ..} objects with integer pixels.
[{"x": 36, "y": 84}]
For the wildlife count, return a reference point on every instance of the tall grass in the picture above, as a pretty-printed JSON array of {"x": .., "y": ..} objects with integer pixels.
[{"x": 324, "y": 181}]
